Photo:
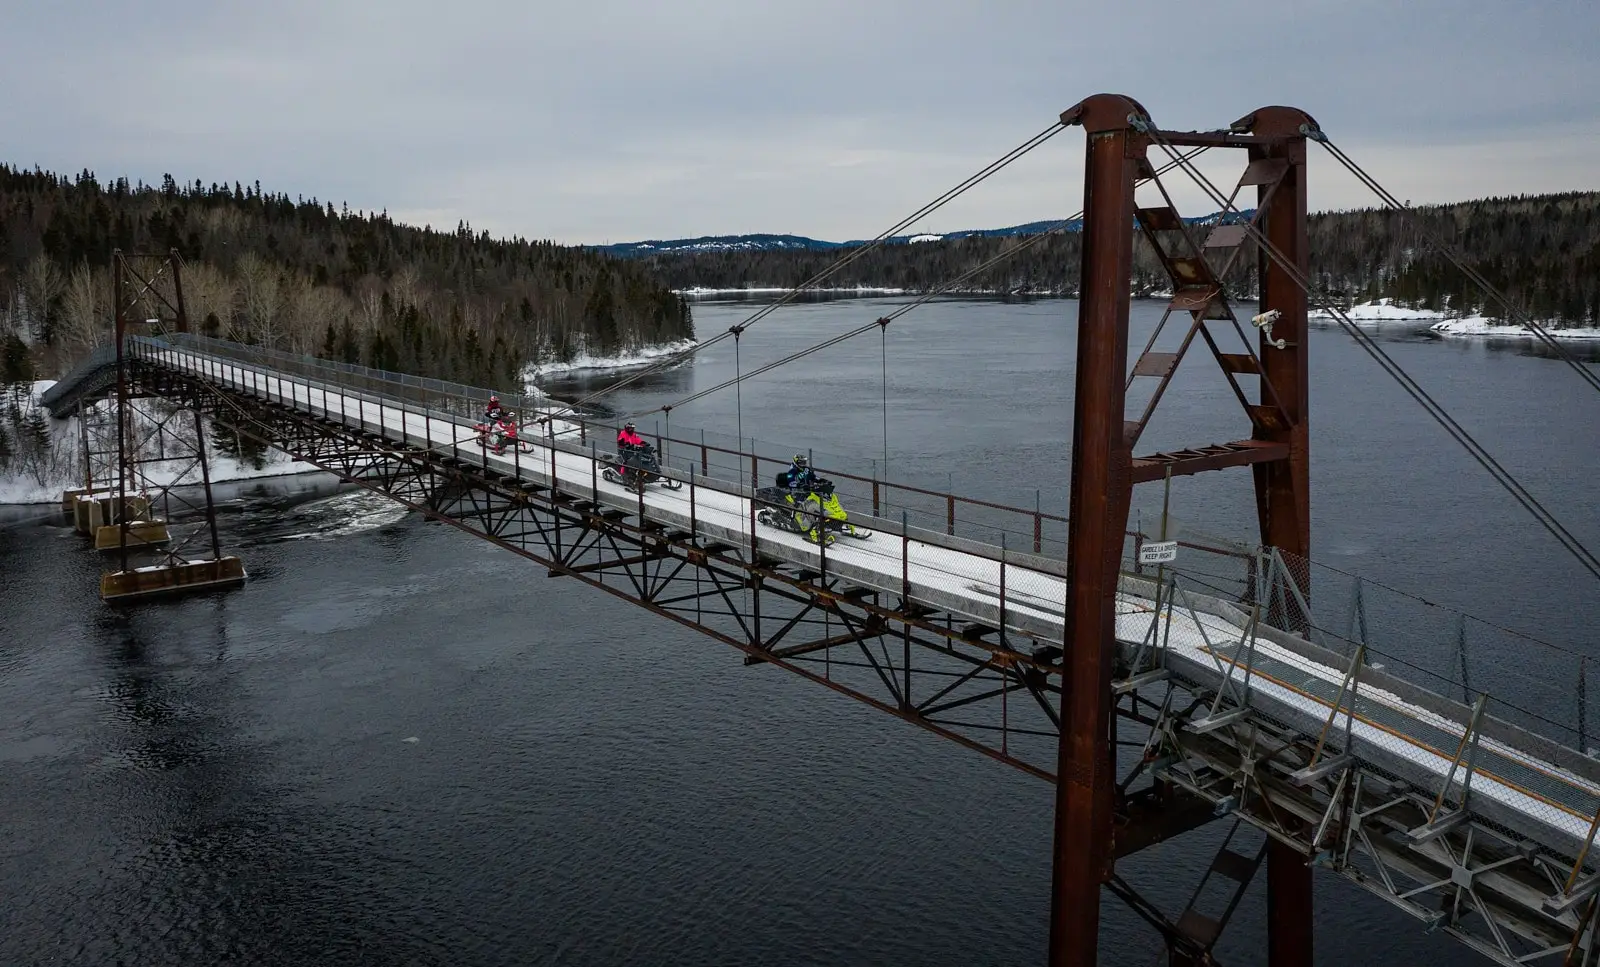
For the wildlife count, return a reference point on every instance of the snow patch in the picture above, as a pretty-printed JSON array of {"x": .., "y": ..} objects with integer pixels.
[
  {"x": 1383, "y": 310},
  {"x": 24, "y": 488},
  {"x": 1386, "y": 310},
  {"x": 697, "y": 291},
  {"x": 1481, "y": 326},
  {"x": 584, "y": 361},
  {"x": 925, "y": 238}
]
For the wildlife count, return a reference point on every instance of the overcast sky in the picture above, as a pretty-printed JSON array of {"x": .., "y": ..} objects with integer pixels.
[{"x": 620, "y": 120}]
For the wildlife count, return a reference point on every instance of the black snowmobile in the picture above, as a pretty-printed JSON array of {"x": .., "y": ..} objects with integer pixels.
[
  {"x": 811, "y": 514},
  {"x": 637, "y": 468}
]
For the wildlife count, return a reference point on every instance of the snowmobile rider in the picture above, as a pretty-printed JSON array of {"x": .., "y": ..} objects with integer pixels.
[
  {"x": 628, "y": 438},
  {"x": 494, "y": 412},
  {"x": 799, "y": 477},
  {"x": 505, "y": 431},
  {"x": 629, "y": 444}
]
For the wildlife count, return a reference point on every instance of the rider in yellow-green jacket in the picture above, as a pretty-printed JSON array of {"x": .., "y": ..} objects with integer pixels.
[{"x": 801, "y": 482}]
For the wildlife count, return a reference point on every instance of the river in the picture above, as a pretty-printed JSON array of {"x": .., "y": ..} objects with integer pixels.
[{"x": 400, "y": 745}]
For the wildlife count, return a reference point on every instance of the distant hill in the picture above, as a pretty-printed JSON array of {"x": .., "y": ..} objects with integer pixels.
[
  {"x": 1543, "y": 250},
  {"x": 800, "y": 243}
]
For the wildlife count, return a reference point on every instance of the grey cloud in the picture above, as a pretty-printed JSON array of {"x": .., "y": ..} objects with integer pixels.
[{"x": 621, "y": 119}]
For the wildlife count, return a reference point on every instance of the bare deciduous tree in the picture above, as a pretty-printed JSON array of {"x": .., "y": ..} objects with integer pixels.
[
  {"x": 42, "y": 283},
  {"x": 314, "y": 308},
  {"x": 85, "y": 311},
  {"x": 206, "y": 293},
  {"x": 261, "y": 301}
]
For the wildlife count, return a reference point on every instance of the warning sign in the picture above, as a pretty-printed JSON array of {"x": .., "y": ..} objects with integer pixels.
[{"x": 1158, "y": 552}]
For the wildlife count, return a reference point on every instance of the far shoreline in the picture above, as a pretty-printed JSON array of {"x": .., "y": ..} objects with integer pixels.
[{"x": 1380, "y": 313}]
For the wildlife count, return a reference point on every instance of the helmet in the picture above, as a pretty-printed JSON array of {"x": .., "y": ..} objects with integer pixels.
[
  {"x": 800, "y": 460},
  {"x": 494, "y": 399},
  {"x": 628, "y": 425}
]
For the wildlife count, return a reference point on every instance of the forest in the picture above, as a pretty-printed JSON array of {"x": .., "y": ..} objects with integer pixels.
[
  {"x": 304, "y": 276},
  {"x": 1543, "y": 251}
]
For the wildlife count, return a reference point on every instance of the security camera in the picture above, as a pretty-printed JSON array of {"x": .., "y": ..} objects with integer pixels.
[{"x": 1264, "y": 322}]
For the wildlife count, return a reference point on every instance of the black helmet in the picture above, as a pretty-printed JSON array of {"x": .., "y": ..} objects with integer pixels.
[{"x": 800, "y": 460}]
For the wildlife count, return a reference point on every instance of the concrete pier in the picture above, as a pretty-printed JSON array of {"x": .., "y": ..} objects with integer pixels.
[
  {"x": 141, "y": 533},
  {"x": 95, "y": 510},
  {"x": 163, "y": 580}
]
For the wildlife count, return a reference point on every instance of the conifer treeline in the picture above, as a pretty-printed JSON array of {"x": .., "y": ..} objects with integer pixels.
[
  {"x": 1542, "y": 250},
  {"x": 304, "y": 276}
]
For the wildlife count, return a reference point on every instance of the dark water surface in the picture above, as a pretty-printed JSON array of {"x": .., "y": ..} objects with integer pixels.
[{"x": 398, "y": 745}]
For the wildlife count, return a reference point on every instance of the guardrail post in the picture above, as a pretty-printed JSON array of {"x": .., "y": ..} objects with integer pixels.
[
  {"x": 694, "y": 522},
  {"x": 1461, "y": 656},
  {"x": 1038, "y": 525},
  {"x": 594, "y": 476},
  {"x": 875, "y": 511},
  {"x": 755, "y": 475},
  {"x": 705, "y": 466},
  {"x": 905, "y": 607},
  {"x": 1583, "y": 704}
]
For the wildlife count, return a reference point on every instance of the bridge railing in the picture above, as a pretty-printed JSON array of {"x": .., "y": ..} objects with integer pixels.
[
  {"x": 1537, "y": 684},
  {"x": 862, "y": 484}
]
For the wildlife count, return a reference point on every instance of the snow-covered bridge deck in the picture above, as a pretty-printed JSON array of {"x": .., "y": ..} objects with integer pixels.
[{"x": 1520, "y": 781}]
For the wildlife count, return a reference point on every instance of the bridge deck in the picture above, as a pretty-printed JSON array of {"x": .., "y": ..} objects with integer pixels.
[{"x": 1206, "y": 645}]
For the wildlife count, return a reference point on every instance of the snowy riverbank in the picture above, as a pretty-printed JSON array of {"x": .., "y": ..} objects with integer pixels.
[
  {"x": 1474, "y": 326},
  {"x": 1482, "y": 327},
  {"x": 38, "y": 475},
  {"x": 584, "y": 362},
  {"x": 1383, "y": 310},
  {"x": 699, "y": 292}
]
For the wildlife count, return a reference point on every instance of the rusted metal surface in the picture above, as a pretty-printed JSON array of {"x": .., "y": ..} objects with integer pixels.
[
  {"x": 1097, "y": 517},
  {"x": 1240, "y": 453},
  {"x": 124, "y": 457},
  {"x": 1283, "y": 495},
  {"x": 1283, "y": 498}
]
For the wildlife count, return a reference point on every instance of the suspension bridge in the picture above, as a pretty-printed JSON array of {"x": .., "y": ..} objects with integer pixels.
[{"x": 1078, "y": 651}]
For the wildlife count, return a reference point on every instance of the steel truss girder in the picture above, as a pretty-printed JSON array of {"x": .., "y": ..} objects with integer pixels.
[
  {"x": 1481, "y": 884},
  {"x": 896, "y": 655}
]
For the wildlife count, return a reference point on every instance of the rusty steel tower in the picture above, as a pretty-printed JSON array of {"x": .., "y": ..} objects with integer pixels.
[{"x": 1093, "y": 823}]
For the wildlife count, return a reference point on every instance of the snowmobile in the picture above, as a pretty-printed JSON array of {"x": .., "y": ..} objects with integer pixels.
[
  {"x": 637, "y": 468},
  {"x": 494, "y": 436},
  {"x": 805, "y": 514}
]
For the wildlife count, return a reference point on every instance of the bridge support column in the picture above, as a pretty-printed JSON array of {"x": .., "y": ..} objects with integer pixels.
[
  {"x": 1100, "y": 491},
  {"x": 1283, "y": 492}
]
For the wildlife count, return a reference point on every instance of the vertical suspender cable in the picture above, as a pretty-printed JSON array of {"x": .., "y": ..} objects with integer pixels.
[
  {"x": 883, "y": 332},
  {"x": 738, "y": 396}
]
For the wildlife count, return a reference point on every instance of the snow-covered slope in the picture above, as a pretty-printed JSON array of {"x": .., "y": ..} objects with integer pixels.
[{"x": 44, "y": 474}]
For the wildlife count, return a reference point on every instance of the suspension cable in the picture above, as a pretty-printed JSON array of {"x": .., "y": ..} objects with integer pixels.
[
  {"x": 883, "y": 349},
  {"x": 1459, "y": 260},
  {"x": 1394, "y": 370},
  {"x": 1027, "y": 242},
  {"x": 844, "y": 260}
]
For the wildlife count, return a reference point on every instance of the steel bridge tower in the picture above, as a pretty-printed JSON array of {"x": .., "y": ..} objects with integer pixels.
[{"x": 1104, "y": 470}]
